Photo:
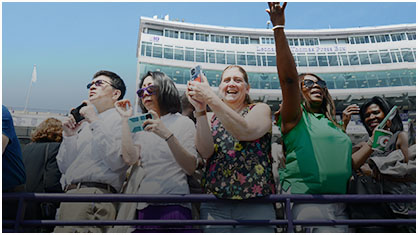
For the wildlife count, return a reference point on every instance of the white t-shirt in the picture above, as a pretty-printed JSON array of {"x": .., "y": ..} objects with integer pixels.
[{"x": 163, "y": 175}]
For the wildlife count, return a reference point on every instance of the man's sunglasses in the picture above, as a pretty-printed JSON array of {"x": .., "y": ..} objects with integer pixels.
[
  {"x": 98, "y": 83},
  {"x": 309, "y": 83},
  {"x": 150, "y": 90}
]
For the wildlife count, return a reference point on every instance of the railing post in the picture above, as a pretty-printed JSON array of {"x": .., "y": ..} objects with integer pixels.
[
  {"x": 20, "y": 213},
  {"x": 289, "y": 216}
]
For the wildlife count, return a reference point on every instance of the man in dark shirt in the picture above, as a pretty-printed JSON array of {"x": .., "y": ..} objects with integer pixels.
[{"x": 13, "y": 177}]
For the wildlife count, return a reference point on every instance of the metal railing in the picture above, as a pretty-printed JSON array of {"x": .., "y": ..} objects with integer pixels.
[{"x": 19, "y": 223}]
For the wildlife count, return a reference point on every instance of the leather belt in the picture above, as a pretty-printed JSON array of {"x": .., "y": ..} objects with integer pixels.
[
  {"x": 108, "y": 187},
  {"x": 16, "y": 189}
]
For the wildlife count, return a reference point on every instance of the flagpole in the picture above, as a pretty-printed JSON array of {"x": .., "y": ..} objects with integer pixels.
[{"x": 33, "y": 79}]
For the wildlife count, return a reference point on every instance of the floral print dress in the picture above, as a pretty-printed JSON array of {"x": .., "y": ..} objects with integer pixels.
[{"x": 238, "y": 169}]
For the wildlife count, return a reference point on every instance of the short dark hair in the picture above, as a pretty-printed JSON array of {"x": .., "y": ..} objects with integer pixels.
[
  {"x": 117, "y": 81},
  {"x": 167, "y": 93},
  {"x": 385, "y": 107}
]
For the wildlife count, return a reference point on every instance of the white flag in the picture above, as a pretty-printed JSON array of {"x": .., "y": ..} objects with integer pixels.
[{"x": 34, "y": 74}]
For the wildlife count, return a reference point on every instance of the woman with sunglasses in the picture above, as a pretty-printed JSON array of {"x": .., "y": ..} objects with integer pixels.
[
  {"x": 235, "y": 140},
  {"x": 318, "y": 152},
  {"x": 165, "y": 151}
]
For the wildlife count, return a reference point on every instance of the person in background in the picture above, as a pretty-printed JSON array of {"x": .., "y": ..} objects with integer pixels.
[
  {"x": 235, "y": 140},
  {"x": 13, "y": 170},
  {"x": 318, "y": 152},
  {"x": 43, "y": 175},
  {"x": 392, "y": 167},
  {"x": 187, "y": 108},
  {"x": 165, "y": 152},
  {"x": 372, "y": 113},
  {"x": 194, "y": 180},
  {"x": 90, "y": 157}
]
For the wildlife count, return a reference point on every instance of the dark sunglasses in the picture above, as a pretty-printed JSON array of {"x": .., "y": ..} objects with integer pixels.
[
  {"x": 98, "y": 83},
  {"x": 150, "y": 90},
  {"x": 309, "y": 83}
]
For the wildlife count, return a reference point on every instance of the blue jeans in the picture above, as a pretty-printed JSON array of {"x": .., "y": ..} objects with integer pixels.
[
  {"x": 239, "y": 211},
  {"x": 329, "y": 211}
]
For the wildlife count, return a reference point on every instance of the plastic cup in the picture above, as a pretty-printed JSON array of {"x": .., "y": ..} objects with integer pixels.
[{"x": 381, "y": 139}]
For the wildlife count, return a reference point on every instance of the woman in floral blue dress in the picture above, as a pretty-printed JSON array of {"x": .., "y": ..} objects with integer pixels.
[{"x": 235, "y": 140}]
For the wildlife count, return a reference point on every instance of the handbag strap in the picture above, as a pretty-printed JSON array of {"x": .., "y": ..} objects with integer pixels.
[{"x": 45, "y": 165}]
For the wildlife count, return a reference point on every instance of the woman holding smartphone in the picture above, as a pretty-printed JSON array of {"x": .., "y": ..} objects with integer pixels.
[
  {"x": 235, "y": 140},
  {"x": 165, "y": 150}
]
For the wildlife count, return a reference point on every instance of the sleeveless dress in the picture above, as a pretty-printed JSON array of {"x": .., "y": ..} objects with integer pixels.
[{"x": 238, "y": 169}]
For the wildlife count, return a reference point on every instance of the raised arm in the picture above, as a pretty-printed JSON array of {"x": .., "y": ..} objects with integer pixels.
[
  {"x": 256, "y": 124},
  {"x": 286, "y": 68},
  {"x": 68, "y": 149},
  {"x": 130, "y": 152},
  {"x": 350, "y": 110},
  {"x": 181, "y": 150},
  {"x": 204, "y": 140}
]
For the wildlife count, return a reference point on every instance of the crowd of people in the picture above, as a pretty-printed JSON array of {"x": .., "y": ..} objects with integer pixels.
[{"x": 222, "y": 141}]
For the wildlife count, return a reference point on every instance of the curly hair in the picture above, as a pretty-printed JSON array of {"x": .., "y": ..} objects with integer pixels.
[{"x": 50, "y": 130}]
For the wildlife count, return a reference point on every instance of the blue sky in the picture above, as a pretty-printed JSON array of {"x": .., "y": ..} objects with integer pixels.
[{"x": 69, "y": 42}]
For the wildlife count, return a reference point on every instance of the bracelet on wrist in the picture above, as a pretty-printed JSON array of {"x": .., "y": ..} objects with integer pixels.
[
  {"x": 370, "y": 142},
  {"x": 200, "y": 113},
  {"x": 277, "y": 27},
  {"x": 169, "y": 137}
]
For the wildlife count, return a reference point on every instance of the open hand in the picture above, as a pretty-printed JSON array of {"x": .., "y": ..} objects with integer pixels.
[
  {"x": 276, "y": 13},
  {"x": 124, "y": 108},
  {"x": 350, "y": 110}
]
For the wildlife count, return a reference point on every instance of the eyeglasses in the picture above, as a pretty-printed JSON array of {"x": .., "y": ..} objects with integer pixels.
[
  {"x": 309, "y": 83},
  {"x": 150, "y": 90},
  {"x": 98, "y": 83}
]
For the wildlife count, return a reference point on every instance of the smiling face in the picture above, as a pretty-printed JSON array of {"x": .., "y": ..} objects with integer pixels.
[
  {"x": 149, "y": 101},
  {"x": 373, "y": 116},
  {"x": 233, "y": 88},
  {"x": 315, "y": 94}
]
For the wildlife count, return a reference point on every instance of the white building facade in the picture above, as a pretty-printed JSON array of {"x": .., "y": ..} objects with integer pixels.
[{"x": 356, "y": 63}]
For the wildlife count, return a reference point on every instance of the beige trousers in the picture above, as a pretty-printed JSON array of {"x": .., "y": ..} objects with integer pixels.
[{"x": 86, "y": 211}]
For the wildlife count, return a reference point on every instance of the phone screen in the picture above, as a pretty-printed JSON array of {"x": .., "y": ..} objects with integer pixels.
[{"x": 195, "y": 74}]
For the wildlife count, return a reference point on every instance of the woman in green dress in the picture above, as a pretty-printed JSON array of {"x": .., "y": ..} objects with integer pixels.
[{"x": 318, "y": 152}]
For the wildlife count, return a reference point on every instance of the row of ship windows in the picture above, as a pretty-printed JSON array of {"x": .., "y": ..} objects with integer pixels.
[
  {"x": 205, "y": 37},
  {"x": 270, "y": 80},
  {"x": 262, "y": 59}
]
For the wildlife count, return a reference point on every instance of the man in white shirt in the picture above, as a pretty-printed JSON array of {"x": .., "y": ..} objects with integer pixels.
[{"x": 90, "y": 154}]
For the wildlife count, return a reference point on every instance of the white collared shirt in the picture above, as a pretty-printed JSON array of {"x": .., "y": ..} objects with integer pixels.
[{"x": 94, "y": 154}]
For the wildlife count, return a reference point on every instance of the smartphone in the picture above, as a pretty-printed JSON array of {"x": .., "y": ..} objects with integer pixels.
[
  {"x": 195, "y": 74},
  {"x": 76, "y": 113},
  {"x": 136, "y": 123}
]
